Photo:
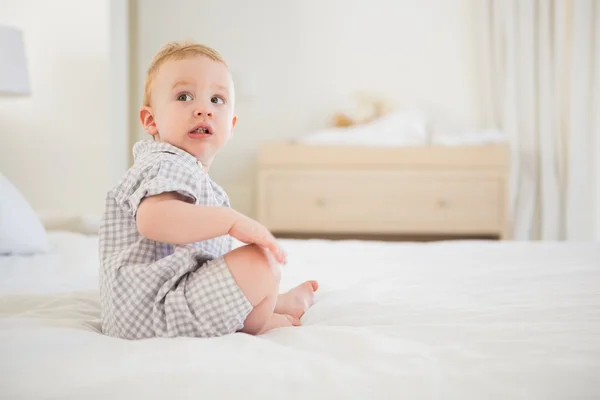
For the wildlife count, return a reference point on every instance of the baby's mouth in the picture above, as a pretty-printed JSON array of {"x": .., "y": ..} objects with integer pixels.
[{"x": 201, "y": 130}]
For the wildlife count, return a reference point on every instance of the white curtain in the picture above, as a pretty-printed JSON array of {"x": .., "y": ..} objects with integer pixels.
[{"x": 540, "y": 79}]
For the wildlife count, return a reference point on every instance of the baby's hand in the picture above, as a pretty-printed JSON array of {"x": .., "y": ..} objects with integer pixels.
[{"x": 249, "y": 231}]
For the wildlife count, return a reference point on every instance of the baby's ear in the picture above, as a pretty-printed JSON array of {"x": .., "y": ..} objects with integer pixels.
[
  {"x": 148, "y": 122},
  {"x": 233, "y": 122}
]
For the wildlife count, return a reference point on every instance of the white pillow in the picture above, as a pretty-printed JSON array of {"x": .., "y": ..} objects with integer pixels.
[{"x": 21, "y": 231}]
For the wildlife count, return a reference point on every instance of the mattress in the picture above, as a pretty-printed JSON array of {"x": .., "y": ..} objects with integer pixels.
[{"x": 444, "y": 320}]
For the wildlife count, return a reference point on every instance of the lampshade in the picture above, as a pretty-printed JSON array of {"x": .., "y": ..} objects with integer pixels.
[{"x": 14, "y": 77}]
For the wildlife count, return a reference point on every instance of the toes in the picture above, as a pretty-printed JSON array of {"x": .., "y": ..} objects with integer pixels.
[{"x": 295, "y": 321}]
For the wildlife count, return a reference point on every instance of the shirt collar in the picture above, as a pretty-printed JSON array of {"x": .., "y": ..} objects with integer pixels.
[{"x": 145, "y": 147}]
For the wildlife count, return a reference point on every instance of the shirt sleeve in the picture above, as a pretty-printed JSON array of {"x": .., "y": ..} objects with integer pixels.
[{"x": 164, "y": 175}]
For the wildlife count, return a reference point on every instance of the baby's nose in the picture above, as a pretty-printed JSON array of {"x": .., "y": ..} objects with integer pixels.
[{"x": 203, "y": 110}]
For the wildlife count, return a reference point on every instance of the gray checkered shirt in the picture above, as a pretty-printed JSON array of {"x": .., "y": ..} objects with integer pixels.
[{"x": 143, "y": 288}]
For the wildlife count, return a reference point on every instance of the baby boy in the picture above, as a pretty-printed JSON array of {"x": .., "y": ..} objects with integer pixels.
[{"x": 168, "y": 267}]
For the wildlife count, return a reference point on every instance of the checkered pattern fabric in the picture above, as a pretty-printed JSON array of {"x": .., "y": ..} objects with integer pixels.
[{"x": 150, "y": 289}]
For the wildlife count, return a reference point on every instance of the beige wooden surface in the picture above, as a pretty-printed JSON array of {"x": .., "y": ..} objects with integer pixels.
[
  {"x": 408, "y": 191},
  {"x": 281, "y": 154}
]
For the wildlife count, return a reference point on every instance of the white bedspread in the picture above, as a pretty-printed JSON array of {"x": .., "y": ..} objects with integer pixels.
[{"x": 454, "y": 320}]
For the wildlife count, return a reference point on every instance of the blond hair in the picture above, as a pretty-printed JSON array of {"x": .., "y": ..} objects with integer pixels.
[{"x": 176, "y": 51}]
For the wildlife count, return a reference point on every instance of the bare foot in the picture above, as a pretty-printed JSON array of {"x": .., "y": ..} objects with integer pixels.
[
  {"x": 298, "y": 300},
  {"x": 280, "y": 321}
]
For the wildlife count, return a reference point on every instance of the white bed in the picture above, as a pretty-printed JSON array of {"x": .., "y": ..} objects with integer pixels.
[{"x": 446, "y": 320}]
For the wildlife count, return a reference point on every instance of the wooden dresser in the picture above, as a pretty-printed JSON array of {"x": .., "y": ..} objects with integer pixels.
[{"x": 435, "y": 191}]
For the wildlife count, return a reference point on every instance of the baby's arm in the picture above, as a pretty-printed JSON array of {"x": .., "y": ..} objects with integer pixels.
[{"x": 169, "y": 218}]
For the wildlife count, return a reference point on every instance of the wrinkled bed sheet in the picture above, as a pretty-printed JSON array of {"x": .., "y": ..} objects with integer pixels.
[{"x": 446, "y": 320}]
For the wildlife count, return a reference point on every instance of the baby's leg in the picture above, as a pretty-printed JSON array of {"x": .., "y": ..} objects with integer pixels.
[
  {"x": 257, "y": 274},
  {"x": 296, "y": 301}
]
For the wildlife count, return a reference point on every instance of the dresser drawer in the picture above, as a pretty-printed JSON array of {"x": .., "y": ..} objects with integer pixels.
[{"x": 381, "y": 201}]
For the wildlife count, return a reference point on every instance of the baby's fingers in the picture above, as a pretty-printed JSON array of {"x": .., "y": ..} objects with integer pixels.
[
  {"x": 281, "y": 257},
  {"x": 277, "y": 251},
  {"x": 267, "y": 243}
]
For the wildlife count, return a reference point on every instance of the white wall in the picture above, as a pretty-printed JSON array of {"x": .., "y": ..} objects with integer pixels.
[
  {"x": 54, "y": 144},
  {"x": 297, "y": 62},
  {"x": 596, "y": 113}
]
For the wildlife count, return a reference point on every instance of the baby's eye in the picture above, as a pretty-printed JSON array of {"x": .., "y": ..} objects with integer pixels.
[
  {"x": 217, "y": 99},
  {"x": 184, "y": 97}
]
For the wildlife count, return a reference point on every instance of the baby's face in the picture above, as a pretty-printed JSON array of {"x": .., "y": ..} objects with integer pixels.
[{"x": 192, "y": 106}]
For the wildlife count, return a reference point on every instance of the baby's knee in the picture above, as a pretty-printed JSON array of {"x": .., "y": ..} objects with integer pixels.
[
  {"x": 252, "y": 263},
  {"x": 265, "y": 261}
]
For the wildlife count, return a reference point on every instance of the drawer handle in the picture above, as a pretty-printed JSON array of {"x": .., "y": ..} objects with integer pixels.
[
  {"x": 442, "y": 203},
  {"x": 321, "y": 202}
]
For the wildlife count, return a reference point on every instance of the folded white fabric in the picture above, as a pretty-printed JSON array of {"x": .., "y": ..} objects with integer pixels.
[
  {"x": 21, "y": 231},
  {"x": 402, "y": 129},
  {"x": 394, "y": 129}
]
